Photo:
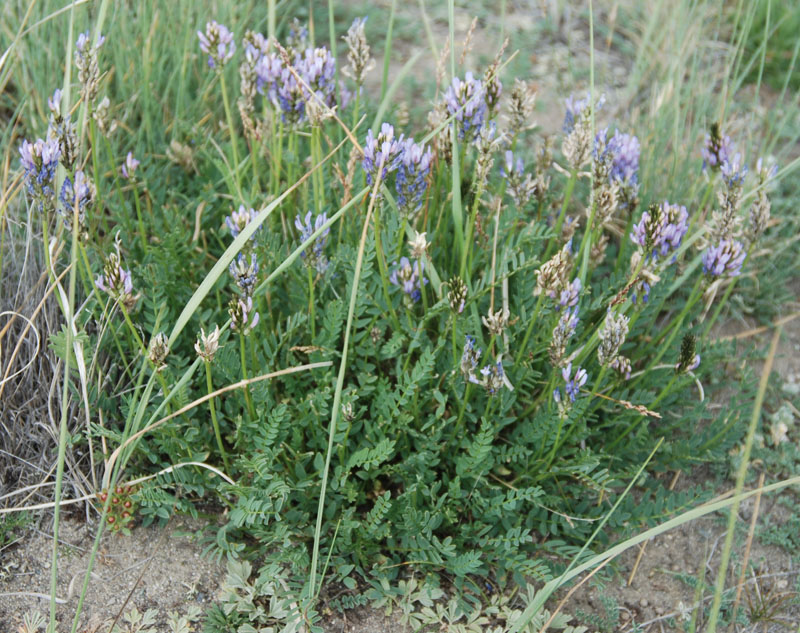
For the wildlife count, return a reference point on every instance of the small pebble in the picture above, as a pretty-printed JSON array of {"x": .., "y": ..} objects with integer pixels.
[
  {"x": 659, "y": 610},
  {"x": 643, "y": 602}
]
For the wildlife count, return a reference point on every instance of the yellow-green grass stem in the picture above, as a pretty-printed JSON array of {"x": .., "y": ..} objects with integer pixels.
[
  {"x": 231, "y": 131},
  {"x": 243, "y": 356}
]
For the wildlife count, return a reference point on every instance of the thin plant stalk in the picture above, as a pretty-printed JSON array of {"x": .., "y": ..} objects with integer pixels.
[
  {"x": 214, "y": 421},
  {"x": 231, "y": 131},
  {"x": 740, "y": 476},
  {"x": 243, "y": 356}
]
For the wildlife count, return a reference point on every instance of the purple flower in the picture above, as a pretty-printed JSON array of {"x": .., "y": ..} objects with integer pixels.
[
  {"x": 237, "y": 220},
  {"x": 733, "y": 171},
  {"x": 314, "y": 256},
  {"x": 39, "y": 160},
  {"x": 469, "y": 357},
  {"x": 493, "y": 377},
  {"x": 625, "y": 149},
  {"x": 724, "y": 259},
  {"x": 83, "y": 41},
  {"x": 413, "y": 168},
  {"x": 574, "y": 109},
  {"x": 661, "y": 229},
  {"x": 573, "y": 383},
  {"x": 116, "y": 281},
  {"x": 717, "y": 148},
  {"x": 245, "y": 273},
  {"x": 243, "y": 317},
  {"x": 81, "y": 190},
  {"x": 217, "y": 42},
  {"x": 129, "y": 167},
  {"x": 465, "y": 100},
  {"x": 408, "y": 277},
  {"x": 568, "y": 297},
  {"x": 316, "y": 67},
  {"x": 384, "y": 150}
]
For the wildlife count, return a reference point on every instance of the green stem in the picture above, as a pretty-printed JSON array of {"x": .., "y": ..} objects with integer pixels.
[
  {"x": 231, "y": 131},
  {"x": 247, "y": 397},
  {"x": 528, "y": 331},
  {"x": 139, "y": 220},
  {"x": 573, "y": 178},
  {"x": 311, "y": 302},
  {"x": 214, "y": 421}
]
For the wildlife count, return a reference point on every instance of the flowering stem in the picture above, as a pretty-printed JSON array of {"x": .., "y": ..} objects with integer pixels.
[
  {"x": 311, "y": 301},
  {"x": 382, "y": 265},
  {"x": 573, "y": 178},
  {"x": 460, "y": 421},
  {"x": 231, "y": 131},
  {"x": 214, "y": 418},
  {"x": 470, "y": 228},
  {"x": 316, "y": 178},
  {"x": 247, "y": 398},
  {"x": 586, "y": 245},
  {"x": 455, "y": 344},
  {"x": 139, "y": 219},
  {"x": 531, "y": 322}
]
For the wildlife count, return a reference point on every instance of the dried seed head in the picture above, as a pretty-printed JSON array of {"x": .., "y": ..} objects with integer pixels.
[
  {"x": 497, "y": 322},
  {"x": 158, "y": 351},
  {"x": 419, "y": 245},
  {"x": 612, "y": 336},
  {"x": 457, "y": 296},
  {"x": 552, "y": 276},
  {"x": 359, "y": 61},
  {"x": 207, "y": 345},
  {"x": 520, "y": 107}
]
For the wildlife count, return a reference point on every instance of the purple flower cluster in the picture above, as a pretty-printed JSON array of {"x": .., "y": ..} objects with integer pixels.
[
  {"x": 129, "y": 167},
  {"x": 493, "y": 377},
  {"x": 314, "y": 256},
  {"x": 116, "y": 281},
  {"x": 734, "y": 171},
  {"x": 572, "y": 384},
  {"x": 661, "y": 229},
  {"x": 568, "y": 297},
  {"x": 724, "y": 259},
  {"x": 413, "y": 168},
  {"x": 237, "y": 220},
  {"x": 465, "y": 100},
  {"x": 217, "y": 42},
  {"x": 574, "y": 109},
  {"x": 469, "y": 357},
  {"x": 625, "y": 149},
  {"x": 245, "y": 273},
  {"x": 384, "y": 150},
  {"x": 39, "y": 160},
  {"x": 316, "y": 67},
  {"x": 717, "y": 148},
  {"x": 83, "y": 42},
  {"x": 81, "y": 190},
  {"x": 409, "y": 278},
  {"x": 243, "y": 317}
]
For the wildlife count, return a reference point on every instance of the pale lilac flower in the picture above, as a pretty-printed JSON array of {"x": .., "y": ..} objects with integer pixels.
[
  {"x": 661, "y": 229},
  {"x": 217, "y": 42},
  {"x": 717, "y": 148},
  {"x": 469, "y": 358},
  {"x": 408, "y": 277},
  {"x": 521, "y": 186},
  {"x": 413, "y": 168},
  {"x": 129, "y": 167},
  {"x": 568, "y": 297},
  {"x": 314, "y": 255},
  {"x": 238, "y": 220},
  {"x": 384, "y": 150},
  {"x": 574, "y": 108},
  {"x": 81, "y": 190},
  {"x": 465, "y": 100},
  {"x": 243, "y": 317},
  {"x": 358, "y": 57},
  {"x": 734, "y": 171},
  {"x": 493, "y": 377},
  {"x": 724, "y": 259},
  {"x": 244, "y": 273},
  {"x": 573, "y": 383},
  {"x": 625, "y": 149},
  {"x": 116, "y": 281},
  {"x": 39, "y": 160},
  {"x": 54, "y": 103},
  {"x": 562, "y": 333},
  {"x": 207, "y": 345},
  {"x": 86, "y": 62}
]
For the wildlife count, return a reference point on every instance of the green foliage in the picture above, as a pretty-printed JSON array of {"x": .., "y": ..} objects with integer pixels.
[{"x": 435, "y": 471}]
